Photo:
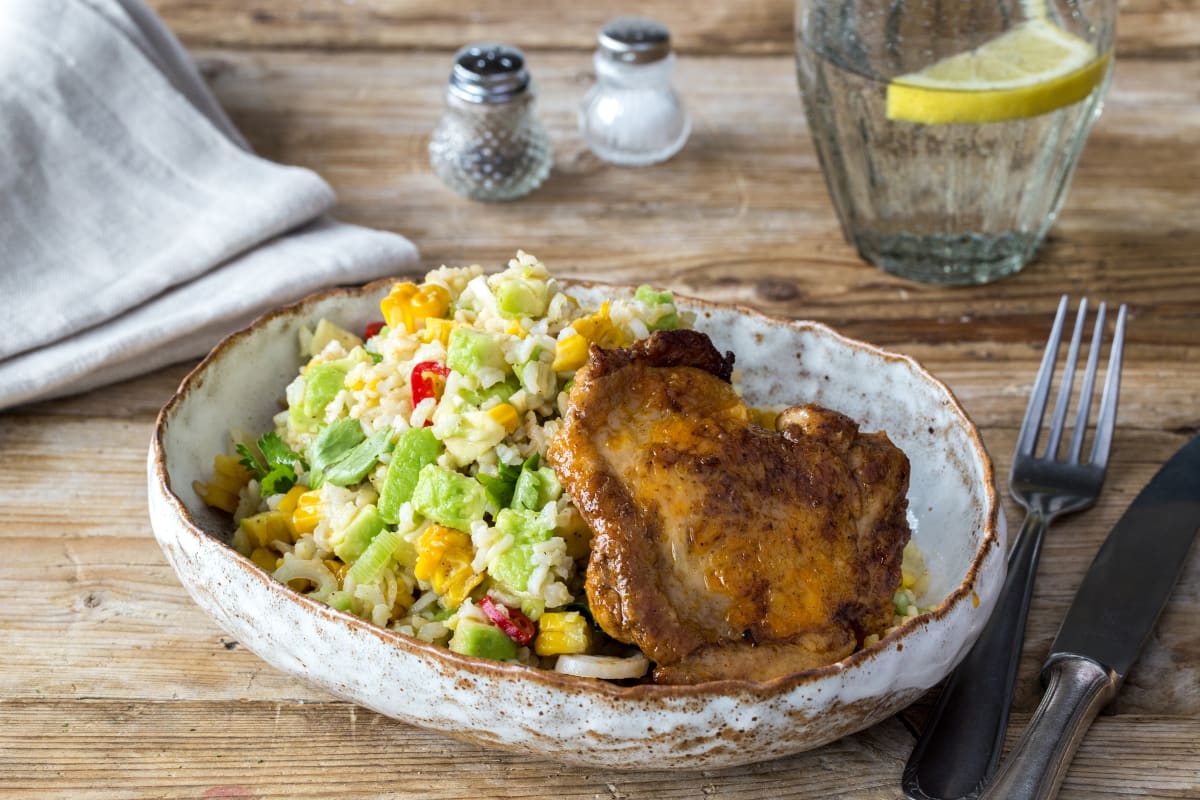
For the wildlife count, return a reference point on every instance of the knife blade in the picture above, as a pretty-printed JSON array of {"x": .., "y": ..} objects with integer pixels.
[{"x": 1108, "y": 623}]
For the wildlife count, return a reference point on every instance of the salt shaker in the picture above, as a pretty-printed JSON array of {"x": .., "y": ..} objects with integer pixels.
[
  {"x": 632, "y": 116},
  {"x": 489, "y": 145}
]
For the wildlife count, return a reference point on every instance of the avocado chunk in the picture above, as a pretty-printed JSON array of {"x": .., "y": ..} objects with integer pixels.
[
  {"x": 321, "y": 384},
  {"x": 350, "y": 542},
  {"x": 449, "y": 498},
  {"x": 514, "y": 566},
  {"x": 668, "y": 319},
  {"x": 473, "y": 638},
  {"x": 416, "y": 448},
  {"x": 477, "y": 433},
  {"x": 521, "y": 297},
  {"x": 470, "y": 350},
  {"x": 535, "y": 488},
  {"x": 342, "y": 601}
]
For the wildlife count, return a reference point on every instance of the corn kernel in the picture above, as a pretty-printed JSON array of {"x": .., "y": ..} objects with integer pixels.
[
  {"x": 438, "y": 330},
  {"x": 269, "y": 526},
  {"x": 409, "y": 305},
  {"x": 359, "y": 385},
  {"x": 215, "y": 496},
  {"x": 264, "y": 558},
  {"x": 229, "y": 477},
  {"x": 570, "y": 353},
  {"x": 506, "y": 415},
  {"x": 913, "y": 574},
  {"x": 444, "y": 561},
  {"x": 404, "y": 599},
  {"x": 598, "y": 328},
  {"x": 288, "y": 504},
  {"x": 307, "y": 512},
  {"x": 339, "y": 570},
  {"x": 561, "y": 633},
  {"x": 576, "y": 533},
  {"x": 229, "y": 473}
]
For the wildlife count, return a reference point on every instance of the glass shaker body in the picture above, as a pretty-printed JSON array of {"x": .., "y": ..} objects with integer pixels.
[
  {"x": 632, "y": 115},
  {"x": 489, "y": 144}
]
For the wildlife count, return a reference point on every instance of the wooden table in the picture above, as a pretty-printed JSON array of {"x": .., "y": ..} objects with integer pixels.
[{"x": 113, "y": 684}]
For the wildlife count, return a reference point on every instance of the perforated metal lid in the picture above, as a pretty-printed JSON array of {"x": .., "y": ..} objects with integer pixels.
[
  {"x": 635, "y": 40},
  {"x": 488, "y": 72}
]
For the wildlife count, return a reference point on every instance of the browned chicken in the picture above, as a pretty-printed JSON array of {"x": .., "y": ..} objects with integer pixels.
[{"x": 723, "y": 549}]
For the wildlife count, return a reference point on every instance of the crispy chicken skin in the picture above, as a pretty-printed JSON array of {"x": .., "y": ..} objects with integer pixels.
[{"x": 723, "y": 549}]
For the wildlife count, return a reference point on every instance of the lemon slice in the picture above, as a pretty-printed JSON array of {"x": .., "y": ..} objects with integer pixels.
[{"x": 1034, "y": 68}]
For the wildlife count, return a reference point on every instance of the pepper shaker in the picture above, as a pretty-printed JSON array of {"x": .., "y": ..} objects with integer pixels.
[
  {"x": 633, "y": 116},
  {"x": 489, "y": 145}
]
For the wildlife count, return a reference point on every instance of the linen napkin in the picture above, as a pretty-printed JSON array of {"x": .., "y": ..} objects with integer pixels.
[{"x": 136, "y": 226}]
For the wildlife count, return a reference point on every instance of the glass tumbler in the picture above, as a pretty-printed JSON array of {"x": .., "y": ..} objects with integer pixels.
[{"x": 948, "y": 132}]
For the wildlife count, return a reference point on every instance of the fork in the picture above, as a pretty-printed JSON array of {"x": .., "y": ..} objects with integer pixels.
[{"x": 958, "y": 750}]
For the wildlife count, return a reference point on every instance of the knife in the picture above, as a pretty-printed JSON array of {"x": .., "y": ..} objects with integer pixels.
[{"x": 1109, "y": 621}]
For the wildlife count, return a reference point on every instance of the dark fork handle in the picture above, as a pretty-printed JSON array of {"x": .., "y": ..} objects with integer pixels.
[{"x": 960, "y": 746}]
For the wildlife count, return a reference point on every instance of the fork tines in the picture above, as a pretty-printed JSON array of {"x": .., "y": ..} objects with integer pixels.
[{"x": 1106, "y": 421}]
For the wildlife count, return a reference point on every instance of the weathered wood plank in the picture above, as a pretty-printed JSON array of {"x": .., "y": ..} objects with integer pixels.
[
  {"x": 1145, "y": 27},
  {"x": 116, "y": 685},
  {"x": 266, "y": 749},
  {"x": 745, "y": 192}
]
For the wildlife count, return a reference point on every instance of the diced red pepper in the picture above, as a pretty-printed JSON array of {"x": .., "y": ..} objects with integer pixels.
[
  {"x": 515, "y": 624},
  {"x": 423, "y": 381},
  {"x": 372, "y": 329}
]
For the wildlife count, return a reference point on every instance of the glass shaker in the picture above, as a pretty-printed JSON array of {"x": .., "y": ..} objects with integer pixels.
[
  {"x": 489, "y": 145},
  {"x": 632, "y": 116}
]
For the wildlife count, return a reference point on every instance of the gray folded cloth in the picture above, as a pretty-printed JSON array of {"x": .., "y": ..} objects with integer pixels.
[{"x": 136, "y": 227}]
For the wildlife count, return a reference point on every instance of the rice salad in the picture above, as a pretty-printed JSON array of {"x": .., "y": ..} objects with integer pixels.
[{"x": 405, "y": 482}]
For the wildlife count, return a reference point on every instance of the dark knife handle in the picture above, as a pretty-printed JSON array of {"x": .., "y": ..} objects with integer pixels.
[
  {"x": 1076, "y": 689},
  {"x": 961, "y": 743}
]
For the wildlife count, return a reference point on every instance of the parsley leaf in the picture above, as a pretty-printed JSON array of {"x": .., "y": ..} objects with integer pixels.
[
  {"x": 278, "y": 480},
  {"x": 276, "y": 470},
  {"x": 251, "y": 462},
  {"x": 276, "y": 452},
  {"x": 500, "y": 487}
]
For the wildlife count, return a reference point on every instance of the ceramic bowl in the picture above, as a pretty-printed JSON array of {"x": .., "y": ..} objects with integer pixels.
[{"x": 954, "y": 511}]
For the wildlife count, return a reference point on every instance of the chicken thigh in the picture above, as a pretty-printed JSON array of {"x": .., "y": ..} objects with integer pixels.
[{"x": 723, "y": 549}]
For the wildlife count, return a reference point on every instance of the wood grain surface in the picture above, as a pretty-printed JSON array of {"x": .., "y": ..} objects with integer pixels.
[{"x": 113, "y": 684}]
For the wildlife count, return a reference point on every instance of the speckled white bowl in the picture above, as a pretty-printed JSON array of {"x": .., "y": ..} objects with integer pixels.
[{"x": 956, "y": 519}]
